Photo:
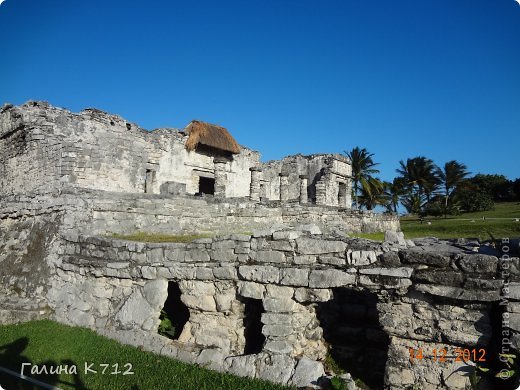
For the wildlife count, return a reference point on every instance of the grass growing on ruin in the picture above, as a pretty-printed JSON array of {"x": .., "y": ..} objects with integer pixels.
[
  {"x": 157, "y": 237},
  {"x": 500, "y": 222},
  {"x": 52, "y": 344}
]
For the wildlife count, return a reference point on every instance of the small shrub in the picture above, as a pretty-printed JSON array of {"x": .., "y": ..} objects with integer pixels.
[{"x": 166, "y": 327}]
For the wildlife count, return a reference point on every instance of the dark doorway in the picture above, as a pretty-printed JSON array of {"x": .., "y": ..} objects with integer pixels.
[
  {"x": 175, "y": 314},
  {"x": 206, "y": 185},
  {"x": 357, "y": 342},
  {"x": 149, "y": 181},
  {"x": 253, "y": 325},
  {"x": 342, "y": 194}
]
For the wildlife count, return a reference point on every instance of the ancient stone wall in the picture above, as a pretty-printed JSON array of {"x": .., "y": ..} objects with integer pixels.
[
  {"x": 365, "y": 303},
  {"x": 44, "y": 148}
]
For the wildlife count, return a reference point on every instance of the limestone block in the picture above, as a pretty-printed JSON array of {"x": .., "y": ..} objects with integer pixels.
[
  {"x": 277, "y": 318},
  {"x": 251, "y": 290},
  {"x": 203, "y": 273},
  {"x": 277, "y": 368},
  {"x": 224, "y": 255},
  {"x": 259, "y": 273},
  {"x": 459, "y": 293},
  {"x": 156, "y": 292},
  {"x": 418, "y": 256},
  {"x": 212, "y": 359},
  {"x": 282, "y": 245},
  {"x": 307, "y": 373},
  {"x": 273, "y": 291},
  {"x": 401, "y": 272},
  {"x": 311, "y": 246},
  {"x": 287, "y": 235},
  {"x": 199, "y": 302},
  {"x": 224, "y": 302},
  {"x": 241, "y": 365},
  {"x": 278, "y": 346},
  {"x": 270, "y": 257},
  {"x": 277, "y": 330},
  {"x": 197, "y": 255},
  {"x": 294, "y": 277},
  {"x": 225, "y": 273},
  {"x": 312, "y": 295},
  {"x": 330, "y": 278},
  {"x": 337, "y": 261},
  {"x": 175, "y": 255},
  {"x": 135, "y": 311},
  {"x": 279, "y": 305},
  {"x": 478, "y": 263},
  {"x": 149, "y": 272},
  {"x": 361, "y": 258},
  {"x": 305, "y": 259}
]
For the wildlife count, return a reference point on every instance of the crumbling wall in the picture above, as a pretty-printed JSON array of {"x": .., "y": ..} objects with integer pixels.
[
  {"x": 433, "y": 296},
  {"x": 44, "y": 148}
]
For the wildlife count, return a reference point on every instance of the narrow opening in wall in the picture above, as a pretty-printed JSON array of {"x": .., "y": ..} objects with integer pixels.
[
  {"x": 357, "y": 342},
  {"x": 174, "y": 314},
  {"x": 149, "y": 181},
  {"x": 254, "y": 338},
  {"x": 206, "y": 185},
  {"x": 342, "y": 194}
]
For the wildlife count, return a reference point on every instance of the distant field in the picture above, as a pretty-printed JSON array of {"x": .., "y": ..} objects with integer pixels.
[
  {"x": 500, "y": 222},
  {"x": 52, "y": 344}
]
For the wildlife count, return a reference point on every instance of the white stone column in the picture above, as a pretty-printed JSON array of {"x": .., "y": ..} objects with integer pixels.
[
  {"x": 321, "y": 192},
  {"x": 220, "y": 177},
  {"x": 284, "y": 187},
  {"x": 303, "y": 189},
  {"x": 254, "y": 189}
]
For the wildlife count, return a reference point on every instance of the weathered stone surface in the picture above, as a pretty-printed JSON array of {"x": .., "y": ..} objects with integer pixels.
[
  {"x": 330, "y": 278},
  {"x": 156, "y": 292},
  {"x": 279, "y": 305},
  {"x": 418, "y": 256},
  {"x": 251, "y": 290},
  {"x": 401, "y": 272},
  {"x": 270, "y": 257},
  {"x": 259, "y": 273},
  {"x": 287, "y": 235},
  {"x": 395, "y": 237},
  {"x": 312, "y": 295},
  {"x": 312, "y": 246},
  {"x": 276, "y": 368},
  {"x": 134, "y": 312},
  {"x": 307, "y": 373},
  {"x": 478, "y": 263},
  {"x": 459, "y": 293},
  {"x": 294, "y": 277},
  {"x": 360, "y": 258}
]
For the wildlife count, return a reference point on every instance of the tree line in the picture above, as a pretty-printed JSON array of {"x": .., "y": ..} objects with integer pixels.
[{"x": 424, "y": 188}]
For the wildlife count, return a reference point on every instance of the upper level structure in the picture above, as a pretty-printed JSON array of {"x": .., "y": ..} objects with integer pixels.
[{"x": 44, "y": 148}]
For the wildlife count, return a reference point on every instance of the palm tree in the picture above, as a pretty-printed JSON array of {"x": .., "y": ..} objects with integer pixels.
[
  {"x": 362, "y": 170},
  {"x": 372, "y": 193},
  {"x": 451, "y": 177},
  {"x": 393, "y": 192},
  {"x": 420, "y": 176}
]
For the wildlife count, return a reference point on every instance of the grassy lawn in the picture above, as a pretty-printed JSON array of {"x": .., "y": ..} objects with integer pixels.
[
  {"x": 156, "y": 237},
  {"x": 51, "y": 344},
  {"x": 465, "y": 225}
]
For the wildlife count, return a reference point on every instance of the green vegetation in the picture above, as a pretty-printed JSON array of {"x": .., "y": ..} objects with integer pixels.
[
  {"x": 166, "y": 327},
  {"x": 463, "y": 226},
  {"x": 52, "y": 344},
  {"x": 157, "y": 237}
]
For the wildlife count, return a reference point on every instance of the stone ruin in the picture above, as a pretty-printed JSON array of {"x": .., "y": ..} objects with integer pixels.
[{"x": 278, "y": 292}]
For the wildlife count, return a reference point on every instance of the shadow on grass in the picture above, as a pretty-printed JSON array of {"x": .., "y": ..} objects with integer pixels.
[{"x": 12, "y": 358}]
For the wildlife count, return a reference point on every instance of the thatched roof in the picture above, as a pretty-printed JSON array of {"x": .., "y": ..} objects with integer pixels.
[{"x": 210, "y": 135}]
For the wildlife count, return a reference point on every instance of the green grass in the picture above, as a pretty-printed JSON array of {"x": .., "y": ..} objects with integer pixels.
[
  {"x": 156, "y": 237},
  {"x": 53, "y": 344},
  {"x": 462, "y": 226}
]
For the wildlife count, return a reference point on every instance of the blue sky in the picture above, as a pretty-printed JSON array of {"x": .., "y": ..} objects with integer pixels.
[{"x": 439, "y": 78}]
